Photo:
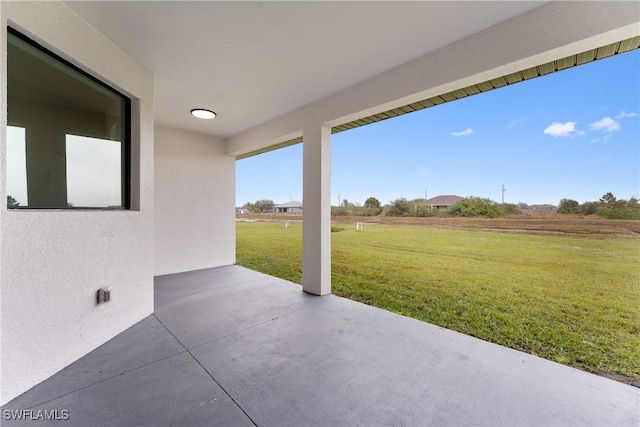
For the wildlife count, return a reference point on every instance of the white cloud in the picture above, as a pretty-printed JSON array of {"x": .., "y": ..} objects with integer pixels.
[
  {"x": 601, "y": 140},
  {"x": 606, "y": 124},
  {"x": 515, "y": 122},
  {"x": 465, "y": 132},
  {"x": 624, "y": 115},
  {"x": 561, "y": 129}
]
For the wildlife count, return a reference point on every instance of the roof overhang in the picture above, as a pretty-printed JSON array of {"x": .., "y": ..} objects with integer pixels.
[
  {"x": 272, "y": 69},
  {"x": 548, "y": 39}
]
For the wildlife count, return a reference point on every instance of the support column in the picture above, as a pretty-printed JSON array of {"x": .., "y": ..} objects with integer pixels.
[{"x": 316, "y": 199}]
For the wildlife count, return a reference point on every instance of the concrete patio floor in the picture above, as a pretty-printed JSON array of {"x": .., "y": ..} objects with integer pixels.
[{"x": 230, "y": 346}]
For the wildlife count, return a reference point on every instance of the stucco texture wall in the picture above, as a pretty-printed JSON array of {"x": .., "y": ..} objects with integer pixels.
[
  {"x": 52, "y": 262},
  {"x": 194, "y": 202}
]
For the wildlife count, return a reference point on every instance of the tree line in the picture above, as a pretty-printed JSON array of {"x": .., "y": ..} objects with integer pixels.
[
  {"x": 607, "y": 207},
  {"x": 469, "y": 206},
  {"x": 259, "y": 206}
]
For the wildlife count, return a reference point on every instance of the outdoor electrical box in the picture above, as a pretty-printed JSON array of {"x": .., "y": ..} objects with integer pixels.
[{"x": 104, "y": 295}]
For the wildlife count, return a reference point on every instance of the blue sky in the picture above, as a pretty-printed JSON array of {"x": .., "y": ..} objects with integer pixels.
[{"x": 571, "y": 134}]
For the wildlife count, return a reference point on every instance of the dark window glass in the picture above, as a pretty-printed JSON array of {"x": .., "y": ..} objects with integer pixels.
[{"x": 67, "y": 136}]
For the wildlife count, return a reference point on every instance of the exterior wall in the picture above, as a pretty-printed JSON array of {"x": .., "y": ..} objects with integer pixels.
[
  {"x": 53, "y": 261},
  {"x": 287, "y": 210},
  {"x": 542, "y": 208},
  {"x": 194, "y": 202}
]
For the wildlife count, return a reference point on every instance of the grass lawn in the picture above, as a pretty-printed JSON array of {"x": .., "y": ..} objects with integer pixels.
[{"x": 572, "y": 299}]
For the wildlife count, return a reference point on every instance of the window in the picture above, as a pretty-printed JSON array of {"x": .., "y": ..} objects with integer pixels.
[{"x": 68, "y": 134}]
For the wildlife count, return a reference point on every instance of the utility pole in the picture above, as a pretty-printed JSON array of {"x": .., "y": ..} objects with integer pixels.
[{"x": 503, "y": 190}]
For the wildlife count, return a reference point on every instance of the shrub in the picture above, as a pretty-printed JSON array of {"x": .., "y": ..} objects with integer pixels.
[
  {"x": 423, "y": 211},
  {"x": 607, "y": 207},
  {"x": 509, "y": 209},
  {"x": 568, "y": 206},
  {"x": 372, "y": 207},
  {"x": 365, "y": 211},
  {"x": 476, "y": 206},
  {"x": 339, "y": 210},
  {"x": 372, "y": 202},
  {"x": 620, "y": 209},
  {"x": 589, "y": 208},
  {"x": 399, "y": 207}
]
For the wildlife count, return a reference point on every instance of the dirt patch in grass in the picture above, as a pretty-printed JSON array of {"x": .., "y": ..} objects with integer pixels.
[
  {"x": 526, "y": 222},
  {"x": 620, "y": 378}
]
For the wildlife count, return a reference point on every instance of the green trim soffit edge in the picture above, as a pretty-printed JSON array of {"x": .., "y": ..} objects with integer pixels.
[{"x": 530, "y": 73}]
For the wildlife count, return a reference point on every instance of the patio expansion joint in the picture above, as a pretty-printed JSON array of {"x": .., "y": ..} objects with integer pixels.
[
  {"x": 243, "y": 329},
  {"x": 208, "y": 373},
  {"x": 185, "y": 349},
  {"x": 107, "y": 379},
  {"x": 206, "y": 291}
]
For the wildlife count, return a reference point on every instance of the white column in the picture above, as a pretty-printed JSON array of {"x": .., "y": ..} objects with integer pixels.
[{"x": 316, "y": 229}]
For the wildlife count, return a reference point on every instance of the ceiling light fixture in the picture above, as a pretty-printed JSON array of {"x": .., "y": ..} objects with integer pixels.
[{"x": 201, "y": 113}]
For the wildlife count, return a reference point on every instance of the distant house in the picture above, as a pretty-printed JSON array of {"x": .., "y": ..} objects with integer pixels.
[
  {"x": 290, "y": 207},
  {"x": 442, "y": 202},
  {"x": 542, "y": 208}
]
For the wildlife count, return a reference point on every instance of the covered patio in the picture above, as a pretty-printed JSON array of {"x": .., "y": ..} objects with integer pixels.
[
  {"x": 188, "y": 338},
  {"x": 229, "y": 346}
]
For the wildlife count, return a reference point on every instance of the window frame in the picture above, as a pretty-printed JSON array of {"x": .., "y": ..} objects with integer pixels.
[{"x": 126, "y": 144}]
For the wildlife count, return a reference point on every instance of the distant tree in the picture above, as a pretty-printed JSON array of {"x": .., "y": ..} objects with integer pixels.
[
  {"x": 608, "y": 207},
  {"x": 372, "y": 207},
  {"x": 619, "y": 209},
  {"x": 264, "y": 205},
  {"x": 259, "y": 206},
  {"x": 11, "y": 202},
  {"x": 509, "y": 209},
  {"x": 372, "y": 202},
  {"x": 589, "y": 208},
  {"x": 251, "y": 207},
  {"x": 476, "y": 206},
  {"x": 399, "y": 207},
  {"x": 568, "y": 206},
  {"x": 608, "y": 198},
  {"x": 345, "y": 208},
  {"x": 339, "y": 210},
  {"x": 418, "y": 208}
]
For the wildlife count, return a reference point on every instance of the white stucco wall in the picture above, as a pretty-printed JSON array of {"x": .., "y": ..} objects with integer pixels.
[
  {"x": 52, "y": 262},
  {"x": 194, "y": 202}
]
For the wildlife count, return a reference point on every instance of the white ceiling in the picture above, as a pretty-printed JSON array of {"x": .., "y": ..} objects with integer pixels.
[{"x": 254, "y": 61}]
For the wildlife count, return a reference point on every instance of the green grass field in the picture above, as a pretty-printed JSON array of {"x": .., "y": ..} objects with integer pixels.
[{"x": 572, "y": 299}]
